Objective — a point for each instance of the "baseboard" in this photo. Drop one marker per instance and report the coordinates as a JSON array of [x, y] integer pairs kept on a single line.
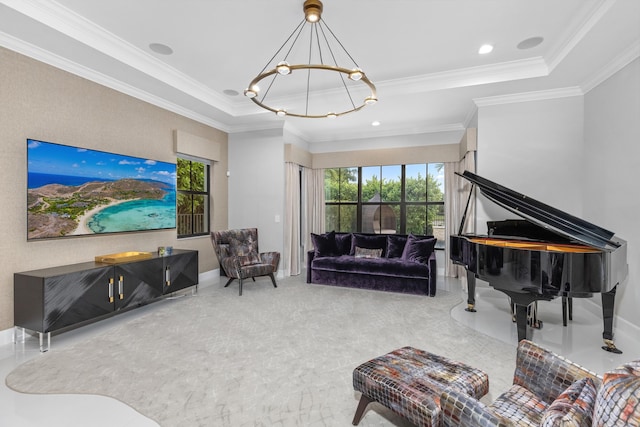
[[6, 336]]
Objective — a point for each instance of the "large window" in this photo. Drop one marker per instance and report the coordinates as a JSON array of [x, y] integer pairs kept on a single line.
[[193, 198], [386, 199]]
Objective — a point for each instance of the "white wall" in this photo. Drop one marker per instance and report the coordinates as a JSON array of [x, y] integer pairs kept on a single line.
[[256, 186], [611, 153], [574, 154]]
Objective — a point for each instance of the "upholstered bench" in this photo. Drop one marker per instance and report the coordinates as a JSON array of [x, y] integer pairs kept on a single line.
[[409, 382]]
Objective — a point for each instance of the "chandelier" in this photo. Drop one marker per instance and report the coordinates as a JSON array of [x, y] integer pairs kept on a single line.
[[326, 89]]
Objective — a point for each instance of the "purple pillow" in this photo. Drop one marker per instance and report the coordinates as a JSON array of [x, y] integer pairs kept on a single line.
[[378, 241], [418, 250], [343, 243], [324, 244], [395, 246]]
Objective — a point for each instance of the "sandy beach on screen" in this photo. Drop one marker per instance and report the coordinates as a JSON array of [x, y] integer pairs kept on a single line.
[[84, 219]]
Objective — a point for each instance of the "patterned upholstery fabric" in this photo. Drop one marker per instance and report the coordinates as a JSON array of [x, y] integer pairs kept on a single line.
[[540, 378], [574, 406], [409, 382], [239, 257], [618, 400]]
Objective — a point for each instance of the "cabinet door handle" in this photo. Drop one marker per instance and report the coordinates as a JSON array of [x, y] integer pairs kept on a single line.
[[111, 289], [120, 287], [167, 276]]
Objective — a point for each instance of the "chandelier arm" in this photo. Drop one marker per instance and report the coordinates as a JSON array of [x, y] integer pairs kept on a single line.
[[341, 45], [301, 24], [335, 62], [301, 27]]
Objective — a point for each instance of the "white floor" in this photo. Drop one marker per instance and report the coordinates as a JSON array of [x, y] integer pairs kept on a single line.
[[580, 342]]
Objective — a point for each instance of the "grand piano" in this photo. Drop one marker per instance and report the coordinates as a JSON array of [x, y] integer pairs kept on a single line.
[[546, 253]]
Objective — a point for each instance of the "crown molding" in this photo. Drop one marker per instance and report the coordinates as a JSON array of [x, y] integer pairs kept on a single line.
[[77, 27], [617, 64], [64, 64], [383, 133], [540, 95], [571, 40]]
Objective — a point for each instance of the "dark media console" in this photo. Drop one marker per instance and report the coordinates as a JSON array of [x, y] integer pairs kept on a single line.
[[51, 299]]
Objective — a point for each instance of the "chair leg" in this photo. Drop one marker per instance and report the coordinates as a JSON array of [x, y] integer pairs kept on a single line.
[[273, 280], [229, 282], [240, 280], [364, 402]]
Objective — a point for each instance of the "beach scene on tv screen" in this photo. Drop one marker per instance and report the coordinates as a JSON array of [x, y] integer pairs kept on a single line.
[[73, 191]]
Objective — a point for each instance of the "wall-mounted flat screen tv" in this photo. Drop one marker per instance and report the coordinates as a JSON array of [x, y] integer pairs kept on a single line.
[[73, 191]]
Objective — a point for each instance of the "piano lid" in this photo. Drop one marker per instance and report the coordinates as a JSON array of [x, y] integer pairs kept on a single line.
[[543, 215]]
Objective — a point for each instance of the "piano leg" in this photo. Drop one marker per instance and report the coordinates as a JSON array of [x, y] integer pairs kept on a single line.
[[608, 300], [521, 321], [471, 292]]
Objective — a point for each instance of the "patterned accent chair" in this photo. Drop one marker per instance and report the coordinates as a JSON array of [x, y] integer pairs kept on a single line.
[[239, 257], [548, 390]]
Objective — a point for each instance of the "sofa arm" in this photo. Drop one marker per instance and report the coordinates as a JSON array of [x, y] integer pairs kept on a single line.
[[545, 373], [462, 410], [231, 266], [272, 258], [310, 255], [433, 274]]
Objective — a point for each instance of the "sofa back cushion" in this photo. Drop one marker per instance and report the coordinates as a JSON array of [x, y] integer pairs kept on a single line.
[[418, 249], [378, 241], [343, 243], [324, 244], [395, 245]]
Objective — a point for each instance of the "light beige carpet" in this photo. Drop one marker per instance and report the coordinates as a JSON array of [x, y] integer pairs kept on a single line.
[[273, 357]]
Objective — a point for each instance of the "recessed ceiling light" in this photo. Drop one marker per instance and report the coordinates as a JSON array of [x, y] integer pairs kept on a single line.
[[529, 43], [160, 48], [231, 92], [485, 48], [375, 123]]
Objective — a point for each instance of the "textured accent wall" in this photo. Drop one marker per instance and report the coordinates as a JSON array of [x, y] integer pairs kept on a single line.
[[42, 102]]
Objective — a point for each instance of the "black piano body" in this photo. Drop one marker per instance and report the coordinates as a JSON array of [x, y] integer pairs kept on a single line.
[[546, 254]]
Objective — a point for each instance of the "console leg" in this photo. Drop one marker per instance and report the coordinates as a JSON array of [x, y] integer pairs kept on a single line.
[[41, 337], [608, 300], [471, 292]]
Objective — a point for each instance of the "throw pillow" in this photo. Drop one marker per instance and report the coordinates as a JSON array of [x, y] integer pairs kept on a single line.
[[395, 246], [573, 407], [378, 241], [418, 250], [367, 253], [324, 244], [618, 399], [343, 243], [245, 251]]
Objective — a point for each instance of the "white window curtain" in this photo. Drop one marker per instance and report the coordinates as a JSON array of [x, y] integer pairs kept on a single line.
[[291, 256], [457, 192], [313, 205]]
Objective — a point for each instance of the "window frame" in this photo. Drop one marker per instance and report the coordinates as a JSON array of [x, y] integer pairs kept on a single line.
[[206, 195]]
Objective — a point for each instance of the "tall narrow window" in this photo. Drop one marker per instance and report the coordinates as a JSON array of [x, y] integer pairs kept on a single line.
[[193, 198]]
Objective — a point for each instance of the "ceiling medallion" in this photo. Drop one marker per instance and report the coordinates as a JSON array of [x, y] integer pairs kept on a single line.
[[326, 90]]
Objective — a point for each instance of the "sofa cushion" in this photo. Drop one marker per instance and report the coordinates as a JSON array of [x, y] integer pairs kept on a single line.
[[618, 399], [520, 404], [392, 267], [324, 244], [418, 249], [369, 242], [368, 253], [395, 246], [573, 407], [343, 243]]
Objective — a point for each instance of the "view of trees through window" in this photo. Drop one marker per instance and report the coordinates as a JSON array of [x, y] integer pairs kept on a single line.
[[386, 199], [193, 198]]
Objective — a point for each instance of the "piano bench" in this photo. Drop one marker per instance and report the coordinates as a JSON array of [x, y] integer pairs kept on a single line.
[[409, 382]]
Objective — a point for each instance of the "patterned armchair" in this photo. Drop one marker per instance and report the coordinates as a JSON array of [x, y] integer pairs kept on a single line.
[[239, 257], [548, 390]]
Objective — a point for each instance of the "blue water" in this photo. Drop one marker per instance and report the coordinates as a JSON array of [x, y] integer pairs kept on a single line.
[[36, 180], [136, 215]]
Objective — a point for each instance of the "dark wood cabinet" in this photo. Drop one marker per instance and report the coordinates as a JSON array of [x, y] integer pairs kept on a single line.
[[54, 298]]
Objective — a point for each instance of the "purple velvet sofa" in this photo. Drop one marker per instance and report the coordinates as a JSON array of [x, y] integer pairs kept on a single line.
[[384, 262]]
